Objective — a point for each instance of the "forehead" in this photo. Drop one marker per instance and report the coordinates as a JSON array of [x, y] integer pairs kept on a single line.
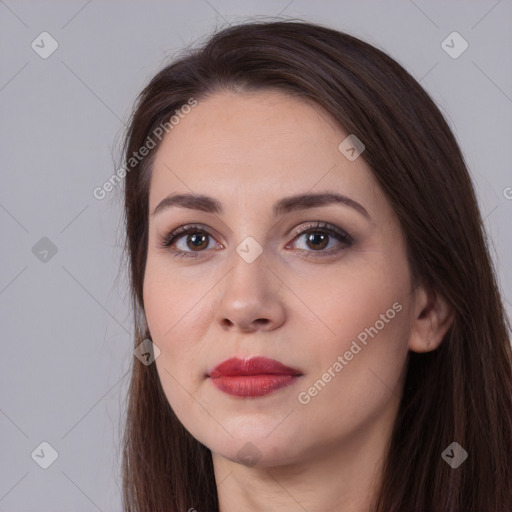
[[253, 145]]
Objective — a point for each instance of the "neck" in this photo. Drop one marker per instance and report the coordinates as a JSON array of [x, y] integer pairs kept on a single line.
[[341, 478]]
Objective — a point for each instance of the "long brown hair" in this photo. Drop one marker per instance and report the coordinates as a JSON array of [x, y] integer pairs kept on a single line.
[[460, 392]]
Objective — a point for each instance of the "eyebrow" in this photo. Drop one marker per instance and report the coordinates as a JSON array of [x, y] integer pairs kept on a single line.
[[285, 205]]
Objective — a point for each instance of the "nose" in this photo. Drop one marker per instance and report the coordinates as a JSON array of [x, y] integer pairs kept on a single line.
[[251, 297]]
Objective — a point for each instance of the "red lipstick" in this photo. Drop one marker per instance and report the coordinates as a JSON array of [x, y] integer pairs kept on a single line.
[[252, 377]]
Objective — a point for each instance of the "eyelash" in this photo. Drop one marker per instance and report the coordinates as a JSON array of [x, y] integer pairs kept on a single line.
[[346, 240]]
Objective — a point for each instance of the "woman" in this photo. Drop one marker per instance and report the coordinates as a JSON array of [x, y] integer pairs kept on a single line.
[[310, 276]]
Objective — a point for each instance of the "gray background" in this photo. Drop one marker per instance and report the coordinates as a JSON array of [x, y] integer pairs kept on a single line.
[[65, 321]]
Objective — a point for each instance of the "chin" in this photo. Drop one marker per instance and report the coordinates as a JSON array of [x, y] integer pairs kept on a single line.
[[253, 451]]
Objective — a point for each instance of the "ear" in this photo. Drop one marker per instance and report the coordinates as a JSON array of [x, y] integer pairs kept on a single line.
[[433, 316]]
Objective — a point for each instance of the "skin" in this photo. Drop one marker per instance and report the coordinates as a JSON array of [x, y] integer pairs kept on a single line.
[[248, 150]]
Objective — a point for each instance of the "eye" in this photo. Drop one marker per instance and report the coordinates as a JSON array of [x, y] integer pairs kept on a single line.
[[194, 238], [319, 235], [190, 240]]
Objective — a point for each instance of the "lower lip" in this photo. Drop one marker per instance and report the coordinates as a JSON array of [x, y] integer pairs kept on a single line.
[[252, 385]]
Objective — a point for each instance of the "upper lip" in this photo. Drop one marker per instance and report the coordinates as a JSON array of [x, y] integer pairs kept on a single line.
[[251, 366]]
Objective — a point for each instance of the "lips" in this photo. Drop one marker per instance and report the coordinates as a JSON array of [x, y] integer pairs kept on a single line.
[[252, 377], [235, 367]]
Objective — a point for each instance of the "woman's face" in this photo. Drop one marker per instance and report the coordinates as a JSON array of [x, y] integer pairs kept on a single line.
[[333, 302]]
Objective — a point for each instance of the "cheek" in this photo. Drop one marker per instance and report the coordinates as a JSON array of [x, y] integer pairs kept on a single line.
[[357, 295], [174, 302], [366, 310], [175, 318], [354, 309]]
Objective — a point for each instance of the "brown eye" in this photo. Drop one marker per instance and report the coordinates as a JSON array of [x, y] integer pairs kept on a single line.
[[197, 242], [323, 239], [317, 240], [187, 240]]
